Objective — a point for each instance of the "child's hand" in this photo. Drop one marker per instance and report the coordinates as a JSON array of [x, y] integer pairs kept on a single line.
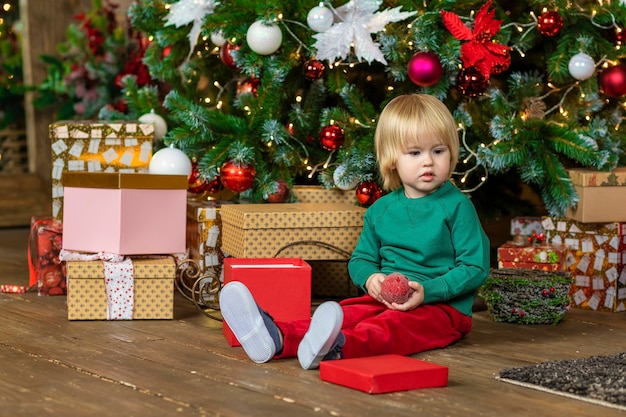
[[415, 300], [373, 285]]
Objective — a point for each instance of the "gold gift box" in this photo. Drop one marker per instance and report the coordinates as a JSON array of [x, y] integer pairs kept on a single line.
[[204, 235], [596, 261], [601, 195], [319, 194], [153, 289], [88, 146], [300, 230]]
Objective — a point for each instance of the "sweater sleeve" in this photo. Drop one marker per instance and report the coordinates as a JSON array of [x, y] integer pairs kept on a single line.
[[471, 249], [365, 259]]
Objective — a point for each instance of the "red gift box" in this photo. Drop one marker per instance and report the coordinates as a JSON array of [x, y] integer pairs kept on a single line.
[[46, 271], [544, 254], [385, 373], [280, 286], [532, 265]]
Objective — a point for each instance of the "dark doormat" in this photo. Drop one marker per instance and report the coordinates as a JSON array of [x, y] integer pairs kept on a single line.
[[597, 379]]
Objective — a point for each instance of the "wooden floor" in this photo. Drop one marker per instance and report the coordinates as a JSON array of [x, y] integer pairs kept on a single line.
[[51, 366]]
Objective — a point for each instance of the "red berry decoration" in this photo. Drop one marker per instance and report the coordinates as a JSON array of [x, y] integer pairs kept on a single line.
[[612, 81], [424, 69], [237, 177], [226, 55], [471, 82], [332, 137], [282, 193], [395, 288], [550, 23], [367, 192], [248, 86], [313, 69]]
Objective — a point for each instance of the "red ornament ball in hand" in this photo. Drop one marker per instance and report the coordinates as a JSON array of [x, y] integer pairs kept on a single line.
[[424, 69], [237, 177], [612, 81], [226, 55], [331, 137], [395, 288], [471, 82], [550, 23], [282, 193], [367, 192], [313, 69]]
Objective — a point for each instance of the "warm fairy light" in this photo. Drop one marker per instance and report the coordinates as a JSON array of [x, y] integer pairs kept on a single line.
[[207, 100], [390, 88], [298, 98], [6, 7], [219, 104]]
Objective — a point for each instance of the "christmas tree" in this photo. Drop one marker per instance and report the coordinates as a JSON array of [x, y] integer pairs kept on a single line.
[[265, 95], [11, 80]]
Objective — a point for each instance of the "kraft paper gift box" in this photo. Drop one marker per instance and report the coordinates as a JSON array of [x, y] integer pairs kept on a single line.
[[383, 374], [124, 213], [300, 230], [280, 286], [538, 257], [88, 146], [320, 194], [601, 195], [46, 271], [153, 295], [598, 256], [204, 235]]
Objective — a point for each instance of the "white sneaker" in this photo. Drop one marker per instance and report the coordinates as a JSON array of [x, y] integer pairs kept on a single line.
[[253, 327], [322, 336]]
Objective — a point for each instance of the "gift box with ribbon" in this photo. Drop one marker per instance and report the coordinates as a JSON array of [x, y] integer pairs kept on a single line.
[[114, 287]]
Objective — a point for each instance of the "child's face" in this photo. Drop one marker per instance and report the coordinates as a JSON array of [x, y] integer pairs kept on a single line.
[[423, 167]]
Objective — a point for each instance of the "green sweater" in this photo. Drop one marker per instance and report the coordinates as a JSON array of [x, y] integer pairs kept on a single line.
[[436, 240]]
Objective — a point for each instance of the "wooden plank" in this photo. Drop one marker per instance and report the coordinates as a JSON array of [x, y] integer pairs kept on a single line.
[[23, 196]]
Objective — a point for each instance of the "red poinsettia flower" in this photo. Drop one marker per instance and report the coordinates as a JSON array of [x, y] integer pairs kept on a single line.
[[481, 52]]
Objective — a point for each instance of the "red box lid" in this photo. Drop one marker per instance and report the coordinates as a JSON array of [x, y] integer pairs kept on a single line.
[[384, 373]]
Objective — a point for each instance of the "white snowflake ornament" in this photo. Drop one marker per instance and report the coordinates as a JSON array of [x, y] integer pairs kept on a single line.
[[188, 11], [356, 21]]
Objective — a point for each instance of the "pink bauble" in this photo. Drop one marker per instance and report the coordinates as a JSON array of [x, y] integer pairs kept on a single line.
[[612, 81], [424, 69]]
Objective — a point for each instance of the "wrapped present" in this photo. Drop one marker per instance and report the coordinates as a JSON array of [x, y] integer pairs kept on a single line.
[[302, 230], [331, 279], [385, 373], [320, 194], [46, 271], [95, 286], [525, 226], [601, 195], [598, 255], [87, 146], [527, 296], [280, 286], [539, 257], [124, 213]]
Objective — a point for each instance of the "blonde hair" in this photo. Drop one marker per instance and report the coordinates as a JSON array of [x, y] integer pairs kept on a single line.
[[408, 120]]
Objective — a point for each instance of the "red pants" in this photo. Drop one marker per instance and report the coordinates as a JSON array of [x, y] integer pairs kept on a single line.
[[372, 329]]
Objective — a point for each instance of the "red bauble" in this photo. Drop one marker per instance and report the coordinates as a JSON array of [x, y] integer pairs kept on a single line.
[[313, 69], [282, 193], [367, 192], [471, 82], [332, 137], [550, 23], [226, 55], [612, 81], [166, 51], [197, 184], [424, 69], [248, 86], [237, 177]]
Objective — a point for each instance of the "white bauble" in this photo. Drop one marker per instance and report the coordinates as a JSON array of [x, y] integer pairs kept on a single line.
[[159, 123], [343, 183], [264, 39], [218, 39], [320, 18], [170, 161], [581, 66]]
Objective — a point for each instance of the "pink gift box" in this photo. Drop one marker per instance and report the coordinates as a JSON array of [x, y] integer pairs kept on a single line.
[[124, 213], [280, 286]]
